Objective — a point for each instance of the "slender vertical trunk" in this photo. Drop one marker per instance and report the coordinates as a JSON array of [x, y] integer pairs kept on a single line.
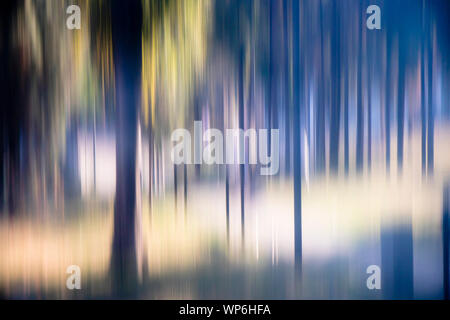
[[346, 133], [400, 104], [94, 149], [175, 186], [360, 108], [227, 202], [297, 138], [185, 187], [241, 126], [430, 136], [197, 117], [423, 114], [387, 113], [287, 96], [336, 100], [369, 48], [126, 30], [403, 240]]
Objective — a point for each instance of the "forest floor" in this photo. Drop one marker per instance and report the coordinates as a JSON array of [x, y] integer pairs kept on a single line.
[[186, 253]]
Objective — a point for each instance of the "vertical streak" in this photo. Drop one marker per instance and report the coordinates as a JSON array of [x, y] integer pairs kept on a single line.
[[297, 140]]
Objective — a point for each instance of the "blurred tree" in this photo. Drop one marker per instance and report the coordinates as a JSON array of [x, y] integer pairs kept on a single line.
[[359, 98], [297, 137], [430, 116], [127, 50], [336, 89], [423, 114]]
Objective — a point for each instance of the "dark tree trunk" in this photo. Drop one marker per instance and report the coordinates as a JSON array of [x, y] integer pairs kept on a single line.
[[430, 134], [185, 187], [336, 101], [72, 187], [297, 139], [175, 186], [287, 96], [346, 133], [360, 108], [387, 111], [126, 32], [227, 202], [241, 126], [423, 116], [400, 105], [197, 117], [13, 110], [369, 101]]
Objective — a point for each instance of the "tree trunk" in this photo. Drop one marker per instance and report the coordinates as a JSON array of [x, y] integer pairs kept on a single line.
[[387, 114], [241, 126], [430, 136], [369, 102], [297, 140], [287, 96], [185, 188], [346, 133], [126, 32], [423, 114], [175, 186], [400, 105], [360, 108], [336, 100]]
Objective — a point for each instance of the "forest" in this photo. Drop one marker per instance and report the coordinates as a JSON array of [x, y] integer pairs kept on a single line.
[[116, 158]]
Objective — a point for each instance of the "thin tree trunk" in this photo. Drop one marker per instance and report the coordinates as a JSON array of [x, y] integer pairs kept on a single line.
[[175, 186], [287, 87], [387, 115], [336, 100], [360, 108], [369, 64], [185, 187], [227, 202], [400, 105], [346, 133], [297, 140], [241, 126], [423, 114], [430, 136], [369, 106]]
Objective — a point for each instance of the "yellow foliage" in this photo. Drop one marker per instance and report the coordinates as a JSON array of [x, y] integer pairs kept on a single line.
[[173, 53]]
